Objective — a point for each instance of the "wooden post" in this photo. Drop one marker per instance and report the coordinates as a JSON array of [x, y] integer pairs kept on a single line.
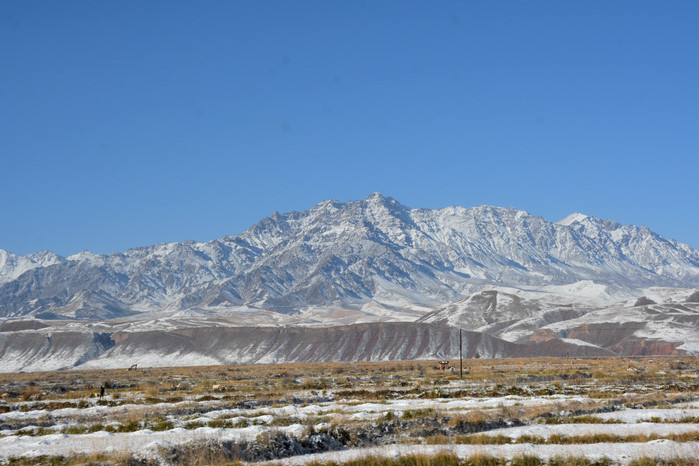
[[461, 358]]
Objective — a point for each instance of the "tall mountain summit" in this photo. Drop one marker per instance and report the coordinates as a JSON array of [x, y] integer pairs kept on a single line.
[[348, 255], [357, 281]]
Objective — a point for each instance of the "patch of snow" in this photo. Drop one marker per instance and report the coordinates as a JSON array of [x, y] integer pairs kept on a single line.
[[572, 218], [639, 415], [133, 442], [575, 341], [587, 289], [618, 453]]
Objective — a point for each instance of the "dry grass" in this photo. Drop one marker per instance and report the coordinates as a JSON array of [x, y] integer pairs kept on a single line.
[[482, 377], [162, 398]]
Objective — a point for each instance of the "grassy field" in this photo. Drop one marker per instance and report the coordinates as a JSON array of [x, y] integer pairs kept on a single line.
[[505, 411]]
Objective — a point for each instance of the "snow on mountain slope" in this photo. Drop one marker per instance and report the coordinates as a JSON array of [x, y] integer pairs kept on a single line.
[[572, 218], [79, 346], [658, 328], [355, 255], [620, 326], [510, 314], [12, 265], [43, 350]]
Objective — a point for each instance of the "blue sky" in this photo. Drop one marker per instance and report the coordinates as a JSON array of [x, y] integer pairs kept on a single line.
[[132, 123]]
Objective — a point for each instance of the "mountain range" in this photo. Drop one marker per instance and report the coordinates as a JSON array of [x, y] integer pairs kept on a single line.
[[498, 271]]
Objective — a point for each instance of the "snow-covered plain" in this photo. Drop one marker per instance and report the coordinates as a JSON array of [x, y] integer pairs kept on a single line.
[[570, 430], [337, 412], [146, 443], [641, 415], [618, 453]]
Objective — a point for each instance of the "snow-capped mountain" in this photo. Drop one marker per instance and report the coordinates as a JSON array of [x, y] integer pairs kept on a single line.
[[12, 265], [374, 252], [389, 281]]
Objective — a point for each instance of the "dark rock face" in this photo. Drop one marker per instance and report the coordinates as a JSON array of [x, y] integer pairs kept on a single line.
[[350, 343], [643, 301], [35, 345], [640, 347], [607, 334], [694, 297], [33, 351], [19, 325], [241, 345]]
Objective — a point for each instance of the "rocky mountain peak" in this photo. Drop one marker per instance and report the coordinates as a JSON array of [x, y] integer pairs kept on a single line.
[[350, 254]]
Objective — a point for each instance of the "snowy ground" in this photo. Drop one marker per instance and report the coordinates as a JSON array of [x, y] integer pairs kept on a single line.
[[570, 430], [394, 407], [146, 443], [640, 415], [620, 453]]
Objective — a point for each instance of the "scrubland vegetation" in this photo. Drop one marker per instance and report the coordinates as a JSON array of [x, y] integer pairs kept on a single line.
[[509, 411]]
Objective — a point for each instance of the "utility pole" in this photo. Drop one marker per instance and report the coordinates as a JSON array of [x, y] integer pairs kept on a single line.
[[461, 358]]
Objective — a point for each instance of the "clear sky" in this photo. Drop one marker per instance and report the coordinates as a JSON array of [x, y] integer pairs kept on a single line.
[[130, 123]]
